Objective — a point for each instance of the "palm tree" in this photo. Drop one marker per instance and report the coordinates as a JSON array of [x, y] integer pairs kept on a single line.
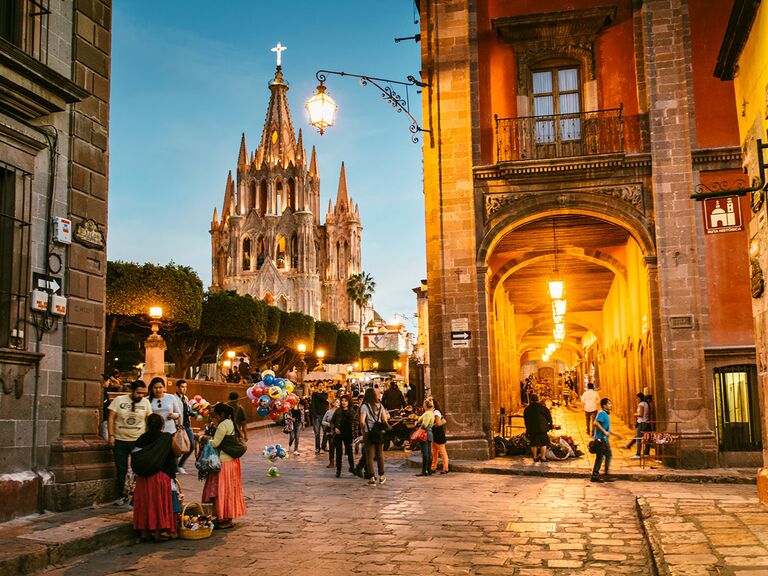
[[360, 289]]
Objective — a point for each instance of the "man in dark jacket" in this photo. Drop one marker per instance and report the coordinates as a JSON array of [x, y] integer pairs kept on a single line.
[[393, 398], [538, 422], [318, 406]]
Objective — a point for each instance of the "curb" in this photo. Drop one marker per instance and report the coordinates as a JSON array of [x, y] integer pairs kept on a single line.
[[699, 477], [644, 514], [42, 549]]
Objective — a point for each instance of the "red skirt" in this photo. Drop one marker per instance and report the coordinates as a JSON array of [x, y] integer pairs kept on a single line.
[[153, 503], [226, 490]]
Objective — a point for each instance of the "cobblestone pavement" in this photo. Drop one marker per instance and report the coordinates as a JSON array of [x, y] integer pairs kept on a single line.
[[309, 522]]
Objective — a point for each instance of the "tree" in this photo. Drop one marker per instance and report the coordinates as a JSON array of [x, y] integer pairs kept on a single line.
[[132, 288], [347, 347], [326, 334], [360, 289]]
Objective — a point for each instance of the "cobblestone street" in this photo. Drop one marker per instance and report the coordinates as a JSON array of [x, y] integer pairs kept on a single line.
[[309, 522]]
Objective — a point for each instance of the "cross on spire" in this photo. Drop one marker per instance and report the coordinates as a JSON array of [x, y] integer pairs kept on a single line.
[[279, 48]]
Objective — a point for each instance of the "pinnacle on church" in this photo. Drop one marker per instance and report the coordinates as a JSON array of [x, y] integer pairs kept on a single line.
[[342, 197], [242, 159], [301, 154], [229, 197], [313, 163]]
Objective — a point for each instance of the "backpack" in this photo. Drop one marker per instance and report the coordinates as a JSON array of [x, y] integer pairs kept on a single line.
[[378, 433], [288, 426]]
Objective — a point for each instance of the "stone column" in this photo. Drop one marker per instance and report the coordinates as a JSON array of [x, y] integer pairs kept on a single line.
[[667, 67], [456, 299]]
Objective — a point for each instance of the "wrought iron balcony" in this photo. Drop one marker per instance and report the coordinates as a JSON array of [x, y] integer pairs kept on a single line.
[[559, 135]]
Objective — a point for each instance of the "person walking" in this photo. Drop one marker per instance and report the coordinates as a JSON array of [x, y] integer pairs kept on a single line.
[[167, 406], [642, 419], [393, 399], [297, 415], [127, 420], [590, 400], [318, 406], [425, 422], [225, 488], [438, 440], [601, 433], [186, 422], [371, 414], [328, 432], [538, 423], [342, 433]]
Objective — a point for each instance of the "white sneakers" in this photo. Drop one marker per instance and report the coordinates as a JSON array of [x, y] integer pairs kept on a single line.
[[372, 481], [180, 471], [635, 457], [382, 479], [295, 452]]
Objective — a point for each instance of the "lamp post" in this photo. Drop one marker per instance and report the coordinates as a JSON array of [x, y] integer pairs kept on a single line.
[[320, 355], [154, 348], [322, 108], [375, 366], [302, 349]]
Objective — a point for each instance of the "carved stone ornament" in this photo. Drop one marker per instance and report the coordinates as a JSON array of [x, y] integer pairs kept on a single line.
[[632, 194], [14, 365], [89, 234], [756, 275]]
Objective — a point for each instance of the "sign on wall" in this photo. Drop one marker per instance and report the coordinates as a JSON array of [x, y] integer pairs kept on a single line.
[[722, 215]]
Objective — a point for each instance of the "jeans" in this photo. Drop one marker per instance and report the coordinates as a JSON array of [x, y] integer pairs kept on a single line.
[[331, 445], [370, 449], [340, 442], [122, 453], [317, 425], [590, 417], [603, 454], [640, 429], [426, 453], [191, 436], [293, 437]]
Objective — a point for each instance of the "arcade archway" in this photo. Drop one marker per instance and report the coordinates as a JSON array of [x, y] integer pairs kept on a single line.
[[607, 320]]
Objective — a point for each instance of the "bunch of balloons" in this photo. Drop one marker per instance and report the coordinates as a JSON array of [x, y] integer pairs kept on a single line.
[[274, 453], [199, 407], [272, 396], [273, 472]]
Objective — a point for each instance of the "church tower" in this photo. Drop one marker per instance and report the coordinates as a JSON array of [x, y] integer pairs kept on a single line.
[[268, 241]]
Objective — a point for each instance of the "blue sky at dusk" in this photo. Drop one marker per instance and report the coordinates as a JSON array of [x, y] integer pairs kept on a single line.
[[189, 77]]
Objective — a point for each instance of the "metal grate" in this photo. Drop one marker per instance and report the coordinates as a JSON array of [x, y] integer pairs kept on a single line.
[[559, 135], [25, 24], [15, 217]]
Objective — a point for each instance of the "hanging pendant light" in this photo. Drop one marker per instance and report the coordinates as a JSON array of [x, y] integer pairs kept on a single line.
[[556, 284]]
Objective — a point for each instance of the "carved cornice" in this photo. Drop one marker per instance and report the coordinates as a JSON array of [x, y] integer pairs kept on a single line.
[[561, 165], [554, 26], [726, 155], [630, 193], [739, 25]]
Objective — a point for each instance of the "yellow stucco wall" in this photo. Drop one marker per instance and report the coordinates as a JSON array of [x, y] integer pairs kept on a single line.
[[751, 81]]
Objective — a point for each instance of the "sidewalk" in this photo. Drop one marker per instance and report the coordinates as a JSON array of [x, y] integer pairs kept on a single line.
[[571, 422]]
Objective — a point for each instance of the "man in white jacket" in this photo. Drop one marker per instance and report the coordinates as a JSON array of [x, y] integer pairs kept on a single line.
[[590, 399]]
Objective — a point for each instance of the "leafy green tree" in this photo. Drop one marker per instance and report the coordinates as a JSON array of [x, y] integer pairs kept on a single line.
[[132, 288], [326, 335], [385, 358], [360, 289], [347, 347]]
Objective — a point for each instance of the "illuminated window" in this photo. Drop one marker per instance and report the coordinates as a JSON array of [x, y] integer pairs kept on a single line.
[[556, 93], [737, 408]]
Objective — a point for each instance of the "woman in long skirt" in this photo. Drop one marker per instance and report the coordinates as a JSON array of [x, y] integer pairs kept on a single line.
[[153, 515], [225, 488]]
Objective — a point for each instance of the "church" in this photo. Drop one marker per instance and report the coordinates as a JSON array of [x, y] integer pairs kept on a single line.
[[268, 240]]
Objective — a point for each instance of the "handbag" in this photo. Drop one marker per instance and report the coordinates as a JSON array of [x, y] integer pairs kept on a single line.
[[209, 461], [419, 435], [596, 446], [233, 446], [181, 440]]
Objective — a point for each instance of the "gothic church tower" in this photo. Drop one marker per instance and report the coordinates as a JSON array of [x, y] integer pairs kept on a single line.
[[268, 241]]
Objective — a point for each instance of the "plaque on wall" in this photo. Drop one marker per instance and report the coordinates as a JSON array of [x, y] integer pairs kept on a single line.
[[89, 234]]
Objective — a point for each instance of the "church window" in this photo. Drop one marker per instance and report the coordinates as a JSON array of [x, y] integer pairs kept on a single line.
[[251, 196], [556, 93], [294, 252], [282, 303], [279, 198], [280, 252], [263, 197], [292, 194], [261, 254], [246, 253]]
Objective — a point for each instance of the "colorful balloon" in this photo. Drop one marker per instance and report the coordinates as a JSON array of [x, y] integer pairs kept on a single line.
[[289, 387], [274, 392]]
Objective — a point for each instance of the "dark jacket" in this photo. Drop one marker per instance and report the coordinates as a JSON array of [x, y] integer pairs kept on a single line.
[[342, 420], [318, 404], [393, 398], [538, 419]]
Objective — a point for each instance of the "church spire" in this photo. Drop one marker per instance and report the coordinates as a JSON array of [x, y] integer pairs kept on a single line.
[[278, 139], [243, 157], [229, 198], [301, 153], [342, 196], [313, 163]]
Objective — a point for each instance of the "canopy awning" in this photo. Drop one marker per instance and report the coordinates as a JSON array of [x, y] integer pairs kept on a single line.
[[315, 376]]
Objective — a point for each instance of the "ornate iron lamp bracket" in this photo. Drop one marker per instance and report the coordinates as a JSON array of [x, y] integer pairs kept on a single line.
[[757, 190], [388, 94]]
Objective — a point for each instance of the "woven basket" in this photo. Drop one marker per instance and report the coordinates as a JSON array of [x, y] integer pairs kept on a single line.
[[200, 510]]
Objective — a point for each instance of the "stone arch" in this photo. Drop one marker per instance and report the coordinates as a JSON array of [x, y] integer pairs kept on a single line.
[[292, 194], [263, 196], [294, 251], [280, 254], [246, 252], [261, 251], [279, 197], [252, 196]]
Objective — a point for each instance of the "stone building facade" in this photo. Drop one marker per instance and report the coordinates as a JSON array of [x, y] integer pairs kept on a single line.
[[567, 139], [743, 59], [54, 127], [268, 241]]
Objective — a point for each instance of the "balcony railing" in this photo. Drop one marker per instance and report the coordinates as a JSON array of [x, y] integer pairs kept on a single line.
[[559, 135]]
